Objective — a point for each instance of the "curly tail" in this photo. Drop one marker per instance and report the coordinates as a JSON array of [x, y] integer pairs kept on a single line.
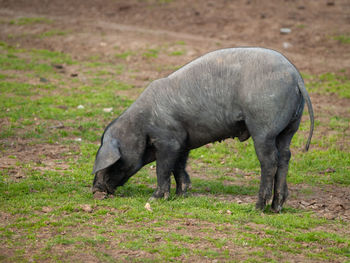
[[306, 97]]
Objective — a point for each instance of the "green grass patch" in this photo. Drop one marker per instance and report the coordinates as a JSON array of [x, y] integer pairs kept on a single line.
[[124, 55], [178, 53], [344, 39], [53, 32], [328, 83], [151, 53], [30, 21]]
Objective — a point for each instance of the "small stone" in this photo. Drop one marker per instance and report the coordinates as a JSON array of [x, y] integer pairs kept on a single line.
[[80, 107], [286, 45], [228, 212], [107, 109], [77, 139], [46, 209], [74, 75], [124, 7], [44, 80], [58, 66], [330, 216], [18, 175], [303, 203], [100, 195], [58, 126], [148, 207], [328, 170], [285, 30], [86, 208]]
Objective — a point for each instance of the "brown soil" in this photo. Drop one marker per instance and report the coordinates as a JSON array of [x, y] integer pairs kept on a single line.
[[209, 24]]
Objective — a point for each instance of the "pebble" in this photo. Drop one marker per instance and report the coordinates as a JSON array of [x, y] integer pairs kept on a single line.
[[286, 45], [80, 107], [47, 209], [148, 207], [285, 30], [86, 208], [100, 195], [107, 109]]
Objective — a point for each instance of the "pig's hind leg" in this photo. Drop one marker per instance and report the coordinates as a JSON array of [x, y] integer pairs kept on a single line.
[[280, 185], [266, 151], [183, 181]]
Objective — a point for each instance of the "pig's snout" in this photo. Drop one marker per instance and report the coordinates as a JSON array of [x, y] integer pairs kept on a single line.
[[100, 184]]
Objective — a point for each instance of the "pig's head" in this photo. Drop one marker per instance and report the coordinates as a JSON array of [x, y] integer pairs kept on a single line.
[[107, 177], [116, 161]]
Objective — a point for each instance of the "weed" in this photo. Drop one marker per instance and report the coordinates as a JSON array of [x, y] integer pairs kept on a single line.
[[344, 39], [30, 20], [151, 53], [53, 32], [124, 55], [182, 43], [329, 83], [177, 53]]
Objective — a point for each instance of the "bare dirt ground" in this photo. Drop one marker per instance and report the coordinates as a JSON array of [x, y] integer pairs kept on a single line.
[[102, 27]]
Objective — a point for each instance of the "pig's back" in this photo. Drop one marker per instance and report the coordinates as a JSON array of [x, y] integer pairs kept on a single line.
[[208, 97]]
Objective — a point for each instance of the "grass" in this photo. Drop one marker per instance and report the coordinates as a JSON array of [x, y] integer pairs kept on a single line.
[[53, 32], [344, 39], [42, 212], [151, 53], [329, 83], [30, 21], [177, 53], [124, 55]]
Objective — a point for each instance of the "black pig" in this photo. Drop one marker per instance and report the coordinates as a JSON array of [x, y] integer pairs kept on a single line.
[[228, 93]]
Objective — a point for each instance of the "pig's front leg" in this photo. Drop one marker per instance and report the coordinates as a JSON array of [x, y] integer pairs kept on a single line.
[[167, 153], [183, 181], [165, 164]]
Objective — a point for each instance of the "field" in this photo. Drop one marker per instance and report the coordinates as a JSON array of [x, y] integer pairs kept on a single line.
[[68, 68]]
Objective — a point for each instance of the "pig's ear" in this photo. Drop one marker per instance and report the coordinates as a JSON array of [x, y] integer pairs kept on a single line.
[[107, 155]]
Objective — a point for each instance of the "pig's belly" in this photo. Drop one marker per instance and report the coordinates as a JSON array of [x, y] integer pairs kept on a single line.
[[198, 136]]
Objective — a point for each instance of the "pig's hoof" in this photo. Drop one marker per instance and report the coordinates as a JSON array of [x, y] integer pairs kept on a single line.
[[277, 203], [260, 205], [181, 194], [276, 207], [100, 195], [277, 210], [151, 199], [182, 191], [158, 194], [166, 196]]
